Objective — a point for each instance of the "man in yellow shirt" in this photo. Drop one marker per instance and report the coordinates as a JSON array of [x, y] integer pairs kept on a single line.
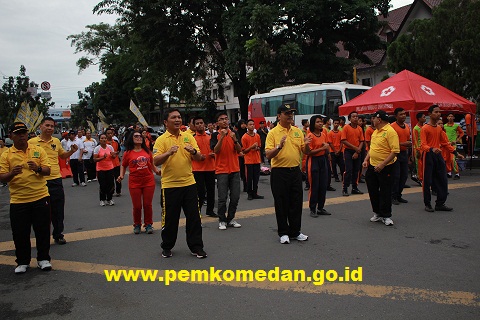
[[284, 146], [384, 148], [54, 149], [24, 166], [3, 148], [174, 151]]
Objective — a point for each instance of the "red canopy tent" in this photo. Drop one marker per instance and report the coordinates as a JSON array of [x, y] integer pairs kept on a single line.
[[409, 91]]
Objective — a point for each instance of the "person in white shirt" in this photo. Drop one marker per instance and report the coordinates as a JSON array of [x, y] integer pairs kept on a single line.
[[81, 135], [87, 156], [76, 161]]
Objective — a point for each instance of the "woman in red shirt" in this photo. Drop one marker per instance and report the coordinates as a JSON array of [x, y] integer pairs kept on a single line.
[[317, 166], [141, 183], [103, 156]]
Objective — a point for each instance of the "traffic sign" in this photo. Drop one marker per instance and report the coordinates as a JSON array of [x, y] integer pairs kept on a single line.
[[45, 85]]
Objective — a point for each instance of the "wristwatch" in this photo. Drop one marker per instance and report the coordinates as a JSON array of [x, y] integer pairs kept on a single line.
[[278, 147], [39, 169]]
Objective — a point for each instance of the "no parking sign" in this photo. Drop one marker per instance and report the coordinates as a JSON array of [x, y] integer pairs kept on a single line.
[[45, 86]]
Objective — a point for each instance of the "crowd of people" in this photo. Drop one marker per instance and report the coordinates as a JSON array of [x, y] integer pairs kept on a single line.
[[193, 160]]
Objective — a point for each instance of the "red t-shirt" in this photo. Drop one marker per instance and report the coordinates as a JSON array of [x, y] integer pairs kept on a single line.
[[140, 165], [335, 138], [253, 156], [226, 161], [368, 136]]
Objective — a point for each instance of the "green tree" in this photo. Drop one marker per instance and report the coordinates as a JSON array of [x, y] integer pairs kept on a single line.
[[282, 41], [443, 48], [17, 90]]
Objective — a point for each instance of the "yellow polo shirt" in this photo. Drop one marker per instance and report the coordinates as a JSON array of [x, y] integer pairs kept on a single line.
[[28, 186], [384, 141], [289, 155], [177, 170], [53, 148]]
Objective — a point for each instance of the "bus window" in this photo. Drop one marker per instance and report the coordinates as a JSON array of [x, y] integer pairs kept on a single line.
[[306, 103], [320, 102], [289, 98], [353, 93], [334, 100], [273, 103]]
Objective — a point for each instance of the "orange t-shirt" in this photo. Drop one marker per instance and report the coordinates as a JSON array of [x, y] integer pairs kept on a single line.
[[116, 147], [226, 161], [203, 141], [352, 135], [403, 134], [434, 137], [468, 121], [317, 142], [253, 156], [335, 138], [107, 163], [368, 136]]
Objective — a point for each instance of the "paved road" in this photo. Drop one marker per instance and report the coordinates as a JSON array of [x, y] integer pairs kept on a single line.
[[425, 266]]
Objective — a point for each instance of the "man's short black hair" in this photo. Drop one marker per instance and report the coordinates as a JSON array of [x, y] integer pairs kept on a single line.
[[197, 118], [167, 112], [433, 106], [350, 115], [304, 121], [398, 110], [47, 119], [419, 115], [219, 114]]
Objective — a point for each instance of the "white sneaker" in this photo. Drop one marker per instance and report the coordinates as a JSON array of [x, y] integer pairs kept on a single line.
[[376, 218], [222, 225], [83, 184], [94, 179], [74, 184], [21, 268], [388, 221], [284, 239], [234, 224], [44, 265], [301, 237], [102, 203], [88, 181], [111, 203]]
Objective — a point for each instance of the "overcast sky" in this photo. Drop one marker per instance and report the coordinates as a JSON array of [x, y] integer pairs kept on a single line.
[[33, 33]]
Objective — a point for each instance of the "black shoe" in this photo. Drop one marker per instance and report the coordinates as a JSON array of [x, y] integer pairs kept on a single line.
[[323, 212], [337, 180], [401, 200], [356, 191], [256, 196], [406, 186], [330, 188], [313, 214], [415, 178], [60, 241], [395, 201], [429, 208], [212, 214], [345, 193], [166, 253], [361, 181], [457, 176], [449, 175], [200, 254], [442, 208], [250, 197]]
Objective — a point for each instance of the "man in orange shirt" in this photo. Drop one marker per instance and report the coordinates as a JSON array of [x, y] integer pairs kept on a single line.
[[435, 171], [204, 170], [336, 149], [352, 139], [251, 148], [400, 167], [226, 146]]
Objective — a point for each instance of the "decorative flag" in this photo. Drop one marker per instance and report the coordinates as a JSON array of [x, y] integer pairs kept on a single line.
[[37, 123], [22, 114], [92, 127], [103, 119], [137, 113], [33, 118]]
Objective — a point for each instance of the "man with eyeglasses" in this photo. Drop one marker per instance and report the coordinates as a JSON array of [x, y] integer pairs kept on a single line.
[[284, 146], [226, 147]]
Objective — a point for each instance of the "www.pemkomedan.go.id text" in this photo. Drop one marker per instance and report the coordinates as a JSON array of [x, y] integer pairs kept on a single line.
[[317, 277]]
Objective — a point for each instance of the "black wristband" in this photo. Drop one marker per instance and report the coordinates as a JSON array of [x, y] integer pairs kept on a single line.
[[39, 169], [194, 152]]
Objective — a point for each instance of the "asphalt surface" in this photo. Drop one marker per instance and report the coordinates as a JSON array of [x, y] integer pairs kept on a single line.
[[425, 266]]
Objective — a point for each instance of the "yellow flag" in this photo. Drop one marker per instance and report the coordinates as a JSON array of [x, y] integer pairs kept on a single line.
[[22, 114], [37, 123], [33, 118], [92, 127], [137, 113], [103, 119]]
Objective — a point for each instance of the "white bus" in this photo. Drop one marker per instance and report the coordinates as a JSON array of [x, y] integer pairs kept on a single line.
[[309, 99]]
